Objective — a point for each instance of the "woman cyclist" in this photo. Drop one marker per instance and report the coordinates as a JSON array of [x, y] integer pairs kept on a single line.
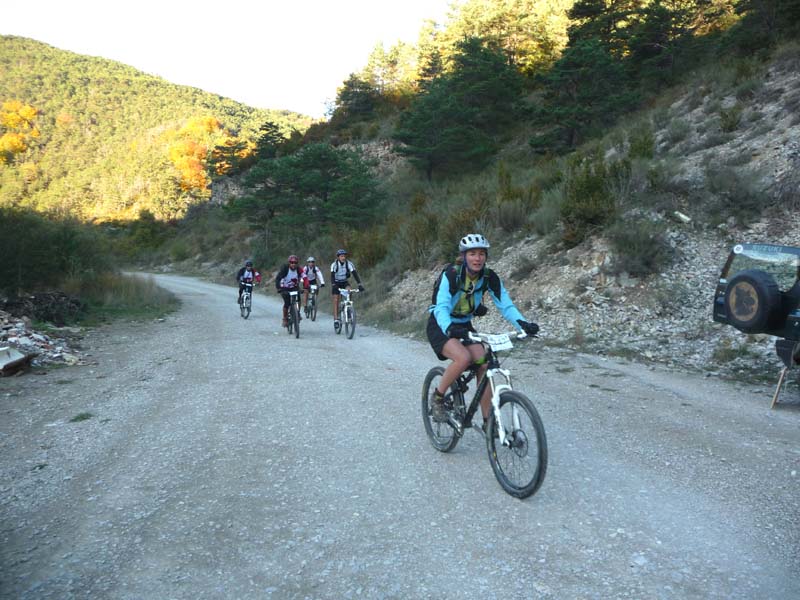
[[457, 297]]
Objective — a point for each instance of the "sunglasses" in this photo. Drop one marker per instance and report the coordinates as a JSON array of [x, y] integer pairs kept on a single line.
[[292, 262]]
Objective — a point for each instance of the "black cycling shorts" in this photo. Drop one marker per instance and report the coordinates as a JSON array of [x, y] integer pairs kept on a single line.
[[287, 299], [338, 285], [438, 338]]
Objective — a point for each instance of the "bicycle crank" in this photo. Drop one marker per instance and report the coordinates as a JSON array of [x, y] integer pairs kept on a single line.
[[455, 423]]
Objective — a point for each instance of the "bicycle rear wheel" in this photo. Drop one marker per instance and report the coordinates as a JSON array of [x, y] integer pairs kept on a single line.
[[442, 435], [350, 321], [521, 463], [295, 319]]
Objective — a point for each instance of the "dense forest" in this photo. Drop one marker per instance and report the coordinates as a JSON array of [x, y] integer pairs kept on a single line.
[[98, 140], [496, 111]]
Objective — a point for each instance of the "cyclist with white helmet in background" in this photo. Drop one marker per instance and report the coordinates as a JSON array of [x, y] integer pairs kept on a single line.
[[311, 274], [457, 297], [341, 269]]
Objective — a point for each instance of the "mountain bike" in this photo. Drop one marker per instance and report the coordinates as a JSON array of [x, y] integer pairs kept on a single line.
[[347, 313], [311, 308], [293, 316], [517, 445], [246, 300]]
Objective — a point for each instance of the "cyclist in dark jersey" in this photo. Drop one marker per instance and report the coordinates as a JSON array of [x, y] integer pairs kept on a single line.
[[288, 279]]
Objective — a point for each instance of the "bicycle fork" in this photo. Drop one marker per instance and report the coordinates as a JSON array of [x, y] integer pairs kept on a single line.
[[497, 389]]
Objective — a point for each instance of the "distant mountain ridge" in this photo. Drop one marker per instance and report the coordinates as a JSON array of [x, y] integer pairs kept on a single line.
[[108, 141]]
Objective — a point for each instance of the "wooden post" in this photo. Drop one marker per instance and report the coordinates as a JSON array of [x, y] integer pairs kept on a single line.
[[778, 389]]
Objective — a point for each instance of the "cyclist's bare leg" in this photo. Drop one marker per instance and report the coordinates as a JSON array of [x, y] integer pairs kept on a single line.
[[461, 358], [305, 297], [335, 306]]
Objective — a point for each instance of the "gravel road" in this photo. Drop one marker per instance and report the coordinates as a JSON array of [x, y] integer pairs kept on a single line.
[[220, 458]]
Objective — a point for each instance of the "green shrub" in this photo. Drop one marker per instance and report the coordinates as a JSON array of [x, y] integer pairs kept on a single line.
[[640, 247], [588, 202], [418, 240], [547, 218], [736, 192], [510, 215], [461, 219], [678, 130], [714, 139], [748, 89], [642, 142], [730, 118], [179, 250], [29, 243]]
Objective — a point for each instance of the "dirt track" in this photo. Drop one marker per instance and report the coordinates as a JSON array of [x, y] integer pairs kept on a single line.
[[223, 459]]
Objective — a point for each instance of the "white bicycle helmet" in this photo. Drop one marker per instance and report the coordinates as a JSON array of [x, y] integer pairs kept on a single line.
[[471, 241], [310, 259]]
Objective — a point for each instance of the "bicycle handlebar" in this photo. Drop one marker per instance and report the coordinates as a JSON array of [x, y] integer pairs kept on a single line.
[[484, 337]]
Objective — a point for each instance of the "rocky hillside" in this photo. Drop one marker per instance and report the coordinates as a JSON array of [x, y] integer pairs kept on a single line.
[[666, 318]]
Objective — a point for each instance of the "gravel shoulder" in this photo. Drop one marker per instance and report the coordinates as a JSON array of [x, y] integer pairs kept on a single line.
[[223, 458]]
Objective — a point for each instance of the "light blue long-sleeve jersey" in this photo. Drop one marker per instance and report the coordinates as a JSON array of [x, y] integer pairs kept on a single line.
[[445, 301]]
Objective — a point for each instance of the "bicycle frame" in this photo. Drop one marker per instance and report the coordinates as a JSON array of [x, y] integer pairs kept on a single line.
[[493, 370], [345, 300], [294, 298]]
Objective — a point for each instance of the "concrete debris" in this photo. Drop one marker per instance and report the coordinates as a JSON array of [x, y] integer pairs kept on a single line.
[[23, 346]]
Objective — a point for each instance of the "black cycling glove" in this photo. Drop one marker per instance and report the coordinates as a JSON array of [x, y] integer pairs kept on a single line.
[[458, 331], [529, 328], [360, 288]]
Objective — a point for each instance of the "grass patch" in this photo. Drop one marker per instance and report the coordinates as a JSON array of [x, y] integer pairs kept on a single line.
[[84, 416], [113, 296], [726, 353]]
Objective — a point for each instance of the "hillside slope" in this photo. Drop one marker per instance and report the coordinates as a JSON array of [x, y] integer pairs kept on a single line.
[[665, 318], [107, 140]]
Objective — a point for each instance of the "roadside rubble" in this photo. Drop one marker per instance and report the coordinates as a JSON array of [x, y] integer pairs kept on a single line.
[[38, 349]]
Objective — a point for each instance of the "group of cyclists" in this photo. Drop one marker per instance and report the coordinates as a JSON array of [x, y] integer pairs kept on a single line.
[[292, 277], [457, 298]]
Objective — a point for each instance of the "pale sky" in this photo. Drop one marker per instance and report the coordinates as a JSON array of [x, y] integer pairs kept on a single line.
[[289, 54]]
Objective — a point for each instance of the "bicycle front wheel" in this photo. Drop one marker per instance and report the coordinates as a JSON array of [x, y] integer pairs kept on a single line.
[[350, 321], [242, 309], [521, 462], [313, 307], [442, 435], [295, 310], [247, 304]]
